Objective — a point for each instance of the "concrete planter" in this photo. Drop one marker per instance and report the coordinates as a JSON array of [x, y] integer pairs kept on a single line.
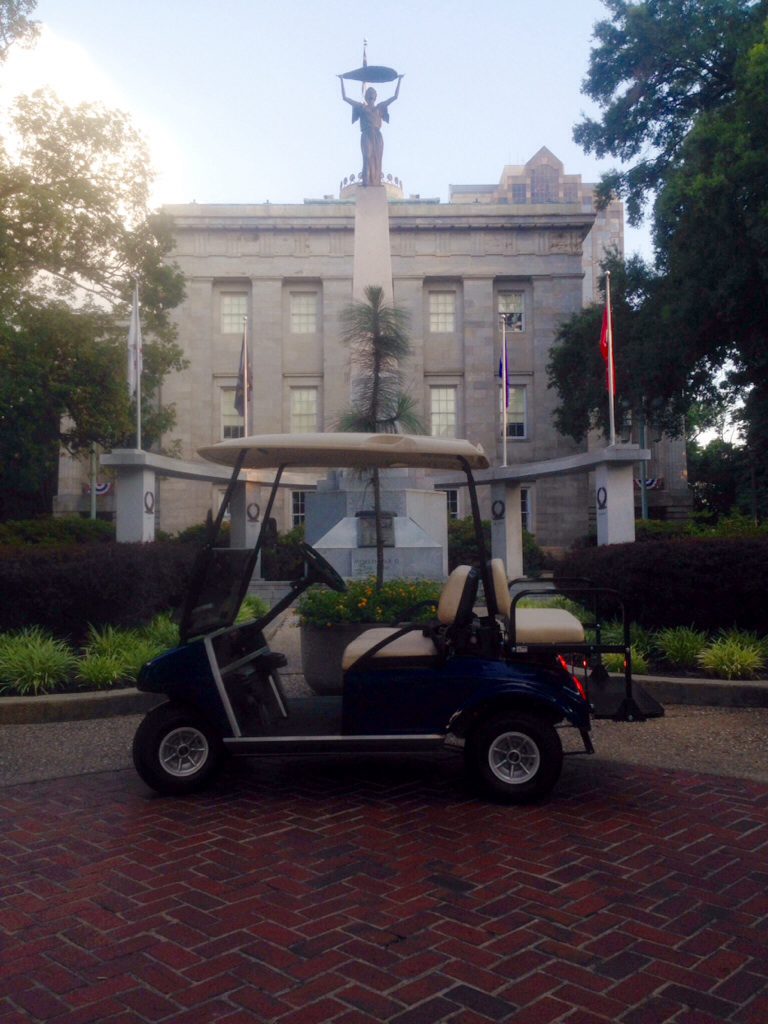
[[322, 648]]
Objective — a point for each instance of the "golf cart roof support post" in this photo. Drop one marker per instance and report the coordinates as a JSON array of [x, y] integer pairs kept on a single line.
[[227, 496], [267, 514], [485, 568]]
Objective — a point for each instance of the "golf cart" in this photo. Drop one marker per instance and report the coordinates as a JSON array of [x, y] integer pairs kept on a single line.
[[494, 682]]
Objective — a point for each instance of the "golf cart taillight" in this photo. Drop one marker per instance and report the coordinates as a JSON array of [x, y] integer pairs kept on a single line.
[[576, 682]]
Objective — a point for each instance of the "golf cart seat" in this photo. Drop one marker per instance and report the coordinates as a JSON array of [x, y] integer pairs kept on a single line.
[[454, 609], [533, 625]]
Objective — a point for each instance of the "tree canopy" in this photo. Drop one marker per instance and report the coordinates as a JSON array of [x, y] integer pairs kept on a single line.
[[75, 232], [682, 87], [655, 67]]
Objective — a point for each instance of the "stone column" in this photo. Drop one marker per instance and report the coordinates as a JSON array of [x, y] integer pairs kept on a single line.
[[136, 493], [245, 511], [507, 527], [615, 501]]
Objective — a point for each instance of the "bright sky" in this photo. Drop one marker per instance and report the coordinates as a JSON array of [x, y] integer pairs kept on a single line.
[[240, 102]]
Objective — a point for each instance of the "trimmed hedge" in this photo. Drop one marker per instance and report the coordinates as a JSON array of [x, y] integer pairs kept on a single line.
[[47, 530], [66, 589], [709, 583]]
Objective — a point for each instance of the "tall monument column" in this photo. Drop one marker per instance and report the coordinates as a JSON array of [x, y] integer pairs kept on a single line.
[[372, 263]]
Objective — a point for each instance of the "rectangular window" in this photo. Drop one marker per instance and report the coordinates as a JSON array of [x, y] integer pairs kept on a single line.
[[525, 509], [232, 424], [442, 312], [298, 509], [512, 305], [516, 412], [234, 306], [452, 503], [519, 194], [303, 312], [442, 411], [303, 406]]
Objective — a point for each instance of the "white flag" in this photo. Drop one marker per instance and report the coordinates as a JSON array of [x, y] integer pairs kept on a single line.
[[134, 347]]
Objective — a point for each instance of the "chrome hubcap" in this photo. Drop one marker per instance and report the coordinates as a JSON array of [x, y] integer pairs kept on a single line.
[[513, 757], [183, 751]]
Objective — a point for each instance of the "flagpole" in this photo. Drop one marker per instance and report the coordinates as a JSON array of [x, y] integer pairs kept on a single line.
[[138, 375], [246, 377], [611, 382], [504, 388]]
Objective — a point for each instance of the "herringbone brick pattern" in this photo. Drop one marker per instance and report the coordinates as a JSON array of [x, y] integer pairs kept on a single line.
[[355, 891]]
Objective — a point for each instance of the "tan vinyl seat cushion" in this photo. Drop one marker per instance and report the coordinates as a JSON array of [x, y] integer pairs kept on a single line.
[[410, 645], [535, 625], [547, 626]]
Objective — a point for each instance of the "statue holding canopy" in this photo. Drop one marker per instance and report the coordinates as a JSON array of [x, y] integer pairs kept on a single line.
[[371, 115]]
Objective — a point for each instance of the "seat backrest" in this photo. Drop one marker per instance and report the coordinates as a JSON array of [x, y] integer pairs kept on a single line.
[[501, 587], [457, 599]]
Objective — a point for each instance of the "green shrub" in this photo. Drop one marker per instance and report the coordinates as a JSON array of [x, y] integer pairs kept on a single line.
[[162, 631], [708, 583], [733, 655], [98, 671], [252, 608], [32, 662], [47, 530], [123, 651], [462, 547], [281, 556], [680, 646], [320, 606], [63, 589], [640, 665]]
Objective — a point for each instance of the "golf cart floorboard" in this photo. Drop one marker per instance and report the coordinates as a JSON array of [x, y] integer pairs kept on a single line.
[[307, 716]]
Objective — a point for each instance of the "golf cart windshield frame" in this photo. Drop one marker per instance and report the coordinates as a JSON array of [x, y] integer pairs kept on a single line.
[[221, 576]]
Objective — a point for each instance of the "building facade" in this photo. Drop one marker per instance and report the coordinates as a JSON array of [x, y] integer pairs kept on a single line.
[[528, 247]]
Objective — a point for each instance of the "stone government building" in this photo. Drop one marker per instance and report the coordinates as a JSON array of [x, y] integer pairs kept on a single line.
[[529, 245]]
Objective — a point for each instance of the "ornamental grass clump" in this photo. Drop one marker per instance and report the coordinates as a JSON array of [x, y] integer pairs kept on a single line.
[[113, 655], [33, 662], [680, 646], [361, 602], [735, 654]]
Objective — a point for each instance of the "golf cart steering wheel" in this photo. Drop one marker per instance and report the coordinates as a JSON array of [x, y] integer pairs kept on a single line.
[[322, 569]]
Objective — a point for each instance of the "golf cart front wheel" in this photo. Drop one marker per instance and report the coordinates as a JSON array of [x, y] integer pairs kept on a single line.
[[517, 757], [175, 752]]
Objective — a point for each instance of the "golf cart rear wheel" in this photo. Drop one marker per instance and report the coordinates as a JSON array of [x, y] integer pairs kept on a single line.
[[517, 757], [175, 752]]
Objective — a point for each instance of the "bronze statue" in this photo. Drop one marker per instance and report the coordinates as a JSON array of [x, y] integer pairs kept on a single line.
[[370, 114]]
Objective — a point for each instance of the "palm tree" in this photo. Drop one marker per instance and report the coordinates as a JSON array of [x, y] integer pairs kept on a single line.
[[378, 339]]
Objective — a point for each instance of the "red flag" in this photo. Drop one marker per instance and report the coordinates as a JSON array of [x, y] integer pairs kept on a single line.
[[610, 371]]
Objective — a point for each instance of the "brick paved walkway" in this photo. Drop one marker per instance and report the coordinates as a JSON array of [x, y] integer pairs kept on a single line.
[[309, 891]]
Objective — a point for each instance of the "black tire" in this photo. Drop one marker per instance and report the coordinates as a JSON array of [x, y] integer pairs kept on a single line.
[[515, 756], [175, 751]]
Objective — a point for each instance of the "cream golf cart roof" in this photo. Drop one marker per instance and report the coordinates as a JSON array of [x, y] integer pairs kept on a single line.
[[348, 450]]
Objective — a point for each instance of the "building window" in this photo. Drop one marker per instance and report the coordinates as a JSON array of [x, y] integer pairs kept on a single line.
[[452, 503], [512, 305], [442, 411], [526, 515], [232, 424], [303, 406], [519, 194], [545, 184], [234, 306], [516, 412], [303, 312], [298, 508], [442, 312]]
